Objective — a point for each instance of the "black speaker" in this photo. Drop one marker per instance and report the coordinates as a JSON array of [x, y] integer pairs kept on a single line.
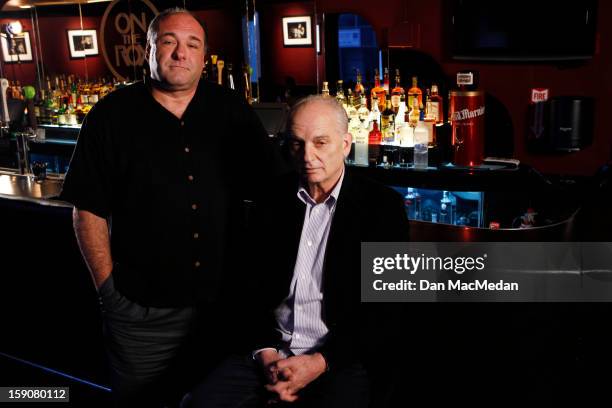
[[561, 124], [571, 122]]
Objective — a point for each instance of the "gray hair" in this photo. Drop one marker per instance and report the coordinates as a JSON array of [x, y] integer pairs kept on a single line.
[[153, 29], [329, 102]]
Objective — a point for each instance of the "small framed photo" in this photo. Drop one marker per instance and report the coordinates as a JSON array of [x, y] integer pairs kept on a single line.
[[16, 48], [297, 31], [82, 43]]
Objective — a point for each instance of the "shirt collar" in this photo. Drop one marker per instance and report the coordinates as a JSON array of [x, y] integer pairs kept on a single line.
[[331, 200]]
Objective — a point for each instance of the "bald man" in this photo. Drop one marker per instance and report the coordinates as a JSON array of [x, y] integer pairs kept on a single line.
[[315, 342]]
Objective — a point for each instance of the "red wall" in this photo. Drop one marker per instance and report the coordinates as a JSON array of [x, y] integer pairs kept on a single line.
[[277, 62], [225, 34], [56, 55]]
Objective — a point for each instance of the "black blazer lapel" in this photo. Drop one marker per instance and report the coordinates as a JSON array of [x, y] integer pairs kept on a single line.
[[340, 259]]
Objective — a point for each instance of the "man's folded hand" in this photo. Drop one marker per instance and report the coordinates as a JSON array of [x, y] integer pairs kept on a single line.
[[295, 373]]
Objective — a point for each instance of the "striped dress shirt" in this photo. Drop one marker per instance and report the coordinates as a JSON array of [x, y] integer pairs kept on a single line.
[[299, 316]]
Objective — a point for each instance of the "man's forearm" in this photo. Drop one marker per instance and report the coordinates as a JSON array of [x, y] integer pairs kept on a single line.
[[93, 239]]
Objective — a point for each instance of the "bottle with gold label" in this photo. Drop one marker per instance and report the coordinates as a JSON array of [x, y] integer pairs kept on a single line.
[[434, 109], [359, 90], [415, 92], [415, 113], [364, 113], [378, 92], [397, 92], [351, 112]]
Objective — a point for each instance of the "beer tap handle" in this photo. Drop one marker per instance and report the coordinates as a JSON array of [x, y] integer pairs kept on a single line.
[[4, 84], [220, 65]]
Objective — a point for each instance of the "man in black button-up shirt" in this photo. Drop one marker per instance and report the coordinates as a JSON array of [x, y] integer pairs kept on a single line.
[[158, 180]]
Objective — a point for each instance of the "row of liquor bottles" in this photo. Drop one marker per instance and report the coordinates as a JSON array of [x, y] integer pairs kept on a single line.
[[433, 104], [445, 207], [412, 118], [65, 100], [397, 117]]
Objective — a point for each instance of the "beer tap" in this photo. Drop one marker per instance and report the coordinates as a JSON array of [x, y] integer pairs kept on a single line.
[[4, 119]]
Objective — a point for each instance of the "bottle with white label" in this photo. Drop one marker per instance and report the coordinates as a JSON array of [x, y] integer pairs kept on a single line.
[[364, 113], [435, 107], [361, 146]]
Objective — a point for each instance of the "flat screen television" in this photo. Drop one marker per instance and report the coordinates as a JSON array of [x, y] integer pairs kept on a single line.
[[522, 30]]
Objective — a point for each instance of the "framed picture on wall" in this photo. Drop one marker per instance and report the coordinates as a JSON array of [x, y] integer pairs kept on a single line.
[[16, 48], [297, 31], [82, 43]]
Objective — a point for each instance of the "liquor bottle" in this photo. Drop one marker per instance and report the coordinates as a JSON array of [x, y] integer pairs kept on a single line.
[[352, 114], [73, 91], [17, 91], [62, 120], [429, 120], [428, 126], [359, 89], [446, 209], [71, 117], [361, 146], [377, 92], [51, 111], [354, 121], [375, 113], [325, 89], [415, 113], [374, 140], [435, 106], [386, 81], [349, 100], [415, 93], [388, 123], [340, 93], [397, 93], [39, 108], [421, 141], [354, 126], [403, 131], [364, 113], [409, 203], [400, 114]]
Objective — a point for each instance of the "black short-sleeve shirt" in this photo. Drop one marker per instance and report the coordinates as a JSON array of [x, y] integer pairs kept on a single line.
[[172, 189]]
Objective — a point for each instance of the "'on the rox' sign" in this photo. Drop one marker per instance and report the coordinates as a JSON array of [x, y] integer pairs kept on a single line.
[[124, 36]]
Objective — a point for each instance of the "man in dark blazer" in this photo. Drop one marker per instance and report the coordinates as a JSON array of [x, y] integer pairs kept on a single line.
[[314, 343]]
